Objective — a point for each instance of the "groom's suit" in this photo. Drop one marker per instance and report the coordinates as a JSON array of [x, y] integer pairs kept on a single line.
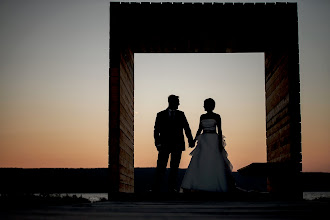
[[169, 139]]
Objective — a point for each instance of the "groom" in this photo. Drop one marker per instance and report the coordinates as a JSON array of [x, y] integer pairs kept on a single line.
[[169, 139]]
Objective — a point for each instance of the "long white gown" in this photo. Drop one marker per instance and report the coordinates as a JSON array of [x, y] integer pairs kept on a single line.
[[209, 166]]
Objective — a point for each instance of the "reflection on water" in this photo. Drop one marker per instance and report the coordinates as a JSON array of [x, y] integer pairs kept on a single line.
[[95, 197], [315, 195]]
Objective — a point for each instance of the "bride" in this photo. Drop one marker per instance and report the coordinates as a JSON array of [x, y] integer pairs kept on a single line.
[[209, 168]]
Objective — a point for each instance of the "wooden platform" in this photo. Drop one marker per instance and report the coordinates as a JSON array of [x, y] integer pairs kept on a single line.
[[173, 209]]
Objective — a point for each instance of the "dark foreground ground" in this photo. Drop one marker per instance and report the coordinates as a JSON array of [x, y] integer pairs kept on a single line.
[[65, 180], [177, 206]]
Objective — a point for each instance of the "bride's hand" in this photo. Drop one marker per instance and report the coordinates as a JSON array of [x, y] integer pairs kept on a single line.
[[192, 144]]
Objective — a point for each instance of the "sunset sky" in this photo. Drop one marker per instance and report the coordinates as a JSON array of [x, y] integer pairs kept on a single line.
[[54, 88], [234, 81]]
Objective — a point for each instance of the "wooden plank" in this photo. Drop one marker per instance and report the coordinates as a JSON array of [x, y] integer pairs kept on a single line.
[[125, 159], [125, 147], [126, 93], [127, 73], [127, 111], [278, 117], [128, 81], [279, 137], [128, 138], [126, 116], [128, 68], [127, 131], [276, 127], [278, 140], [127, 171], [281, 154], [126, 125], [280, 106], [126, 121], [272, 62], [280, 73], [126, 98], [126, 143], [126, 180], [126, 90], [281, 91], [127, 58], [127, 108], [125, 156], [129, 141], [278, 143]]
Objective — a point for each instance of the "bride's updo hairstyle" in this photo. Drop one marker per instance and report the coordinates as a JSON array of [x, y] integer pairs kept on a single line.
[[209, 104]]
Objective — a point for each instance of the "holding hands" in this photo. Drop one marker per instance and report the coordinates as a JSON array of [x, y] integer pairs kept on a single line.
[[192, 143]]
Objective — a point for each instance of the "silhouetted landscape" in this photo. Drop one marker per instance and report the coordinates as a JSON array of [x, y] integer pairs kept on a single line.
[[65, 180]]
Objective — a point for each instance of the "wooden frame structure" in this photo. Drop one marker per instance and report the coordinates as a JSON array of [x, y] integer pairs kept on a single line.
[[271, 28]]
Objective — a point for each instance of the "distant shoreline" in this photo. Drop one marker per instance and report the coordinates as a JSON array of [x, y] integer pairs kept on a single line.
[[95, 180]]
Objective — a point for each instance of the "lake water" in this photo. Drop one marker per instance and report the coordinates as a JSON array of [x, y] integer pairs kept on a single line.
[[315, 195], [94, 197]]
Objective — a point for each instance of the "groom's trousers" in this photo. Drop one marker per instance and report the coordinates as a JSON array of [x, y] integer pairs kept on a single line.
[[163, 156]]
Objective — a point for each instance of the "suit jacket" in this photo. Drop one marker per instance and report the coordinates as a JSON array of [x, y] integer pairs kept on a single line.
[[168, 131]]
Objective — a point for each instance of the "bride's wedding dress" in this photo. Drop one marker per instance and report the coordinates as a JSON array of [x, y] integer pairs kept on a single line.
[[209, 168]]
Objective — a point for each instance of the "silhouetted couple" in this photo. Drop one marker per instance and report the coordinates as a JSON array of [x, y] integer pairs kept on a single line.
[[209, 168]]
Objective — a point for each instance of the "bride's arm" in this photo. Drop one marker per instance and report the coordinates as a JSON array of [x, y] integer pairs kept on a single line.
[[218, 120], [219, 125]]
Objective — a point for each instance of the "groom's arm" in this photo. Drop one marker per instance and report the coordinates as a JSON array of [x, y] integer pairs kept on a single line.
[[157, 131], [188, 131], [199, 131]]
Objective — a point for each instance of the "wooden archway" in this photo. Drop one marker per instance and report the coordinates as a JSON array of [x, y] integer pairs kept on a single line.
[[208, 28]]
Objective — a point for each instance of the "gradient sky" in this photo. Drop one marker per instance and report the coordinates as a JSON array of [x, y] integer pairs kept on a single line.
[[234, 81], [54, 61]]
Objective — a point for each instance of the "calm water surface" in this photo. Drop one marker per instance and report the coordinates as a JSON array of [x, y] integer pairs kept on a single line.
[[315, 195], [94, 197]]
